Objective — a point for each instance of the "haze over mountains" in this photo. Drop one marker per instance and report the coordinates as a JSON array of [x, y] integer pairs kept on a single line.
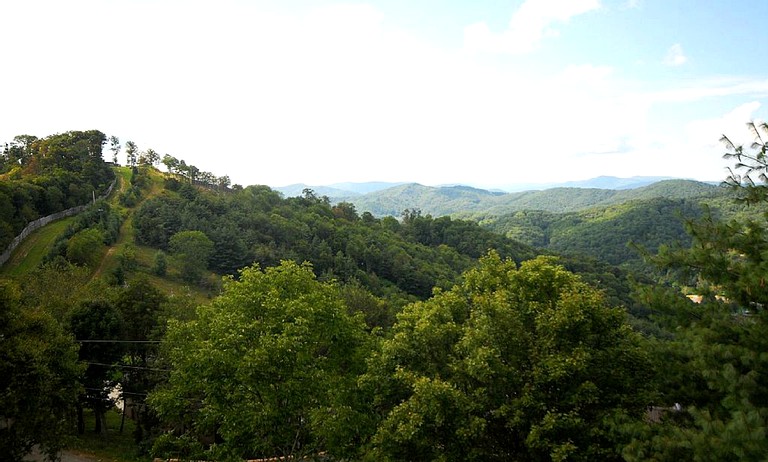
[[383, 199], [347, 189]]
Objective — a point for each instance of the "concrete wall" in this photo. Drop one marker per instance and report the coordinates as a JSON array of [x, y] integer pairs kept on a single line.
[[40, 222]]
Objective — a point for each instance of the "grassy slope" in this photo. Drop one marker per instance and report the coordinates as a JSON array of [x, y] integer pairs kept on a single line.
[[30, 253], [144, 255], [33, 249], [123, 177]]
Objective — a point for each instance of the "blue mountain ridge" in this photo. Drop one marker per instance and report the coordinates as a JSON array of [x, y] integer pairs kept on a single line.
[[352, 189]]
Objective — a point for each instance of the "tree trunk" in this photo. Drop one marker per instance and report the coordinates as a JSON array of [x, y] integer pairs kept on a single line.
[[80, 419], [101, 421], [122, 419]]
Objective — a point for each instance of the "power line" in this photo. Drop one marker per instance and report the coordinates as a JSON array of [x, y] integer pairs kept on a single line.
[[117, 341], [125, 366], [130, 393]]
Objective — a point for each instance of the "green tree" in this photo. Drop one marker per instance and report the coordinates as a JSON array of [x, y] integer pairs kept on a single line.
[[141, 305], [160, 265], [376, 311], [171, 163], [114, 146], [229, 251], [513, 364], [265, 368], [749, 175], [223, 182], [192, 172], [38, 379], [191, 249], [714, 361], [131, 153], [149, 157], [85, 247], [94, 324], [55, 287], [22, 149]]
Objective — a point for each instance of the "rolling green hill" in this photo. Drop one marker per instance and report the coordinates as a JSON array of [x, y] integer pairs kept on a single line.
[[436, 201], [256, 224], [591, 222], [466, 202], [604, 232]]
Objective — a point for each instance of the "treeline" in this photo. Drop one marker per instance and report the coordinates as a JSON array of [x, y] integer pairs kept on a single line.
[[195, 175], [256, 224], [398, 260], [178, 167], [41, 176]]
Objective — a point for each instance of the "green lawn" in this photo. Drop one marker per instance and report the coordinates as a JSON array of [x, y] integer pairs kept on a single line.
[[115, 446], [30, 253]]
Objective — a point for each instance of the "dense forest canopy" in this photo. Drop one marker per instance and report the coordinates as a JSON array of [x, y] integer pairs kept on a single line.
[[534, 336], [256, 224], [41, 176], [610, 234]]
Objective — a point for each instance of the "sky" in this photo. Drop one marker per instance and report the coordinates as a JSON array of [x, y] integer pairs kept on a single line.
[[486, 93]]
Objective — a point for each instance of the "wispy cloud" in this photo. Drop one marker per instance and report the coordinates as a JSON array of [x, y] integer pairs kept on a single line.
[[534, 21], [675, 56]]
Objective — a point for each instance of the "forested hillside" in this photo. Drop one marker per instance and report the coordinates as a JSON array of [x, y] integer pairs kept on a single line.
[[466, 202], [256, 224], [624, 233], [605, 233], [39, 177], [236, 323], [614, 226]]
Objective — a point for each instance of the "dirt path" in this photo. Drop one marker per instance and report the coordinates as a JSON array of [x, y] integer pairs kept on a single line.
[[100, 269], [126, 233]]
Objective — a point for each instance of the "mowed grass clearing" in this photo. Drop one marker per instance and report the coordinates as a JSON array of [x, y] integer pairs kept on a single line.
[[30, 253]]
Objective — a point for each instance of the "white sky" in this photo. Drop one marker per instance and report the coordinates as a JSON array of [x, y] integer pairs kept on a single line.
[[485, 93]]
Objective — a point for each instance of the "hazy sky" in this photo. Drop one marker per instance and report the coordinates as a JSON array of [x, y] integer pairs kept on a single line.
[[480, 92]]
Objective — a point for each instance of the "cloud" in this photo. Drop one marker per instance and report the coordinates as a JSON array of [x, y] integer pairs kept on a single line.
[[707, 132], [534, 21], [675, 56], [337, 93]]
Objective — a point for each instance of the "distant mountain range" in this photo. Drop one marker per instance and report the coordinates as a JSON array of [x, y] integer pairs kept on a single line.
[[349, 189], [336, 190], [383, 199], [612, 182]]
